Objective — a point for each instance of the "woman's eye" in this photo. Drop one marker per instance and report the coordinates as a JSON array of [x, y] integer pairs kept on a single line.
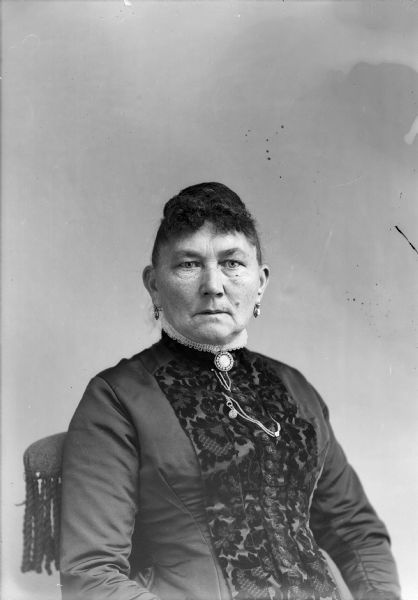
[[189, 264], [232, 264]]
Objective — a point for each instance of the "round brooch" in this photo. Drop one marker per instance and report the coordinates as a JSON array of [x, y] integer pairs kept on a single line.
[[224, 361]]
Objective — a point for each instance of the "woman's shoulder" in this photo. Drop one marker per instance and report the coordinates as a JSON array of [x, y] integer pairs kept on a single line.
[[125, 385], [137, 369]]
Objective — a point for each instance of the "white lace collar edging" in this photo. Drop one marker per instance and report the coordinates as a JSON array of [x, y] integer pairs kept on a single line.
[[240, 342]]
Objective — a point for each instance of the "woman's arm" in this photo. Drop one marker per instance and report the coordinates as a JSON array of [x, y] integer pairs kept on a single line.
[[346, 526], [99, 500]]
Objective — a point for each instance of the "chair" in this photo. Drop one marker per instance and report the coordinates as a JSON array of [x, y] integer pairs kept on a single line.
[[41, 526]]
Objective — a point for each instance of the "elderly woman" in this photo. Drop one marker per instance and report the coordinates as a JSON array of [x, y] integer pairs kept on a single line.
[[201, 470]]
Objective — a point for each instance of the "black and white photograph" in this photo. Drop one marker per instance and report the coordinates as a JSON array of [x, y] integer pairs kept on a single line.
[[209, 228]]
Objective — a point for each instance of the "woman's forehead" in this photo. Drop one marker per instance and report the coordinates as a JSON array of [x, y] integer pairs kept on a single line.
[[208, 240]]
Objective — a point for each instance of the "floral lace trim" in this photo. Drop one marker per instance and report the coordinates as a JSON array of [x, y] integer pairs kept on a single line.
[[257, 489]]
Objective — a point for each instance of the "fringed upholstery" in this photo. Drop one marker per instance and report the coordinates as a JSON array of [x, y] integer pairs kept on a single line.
[[41, 526]]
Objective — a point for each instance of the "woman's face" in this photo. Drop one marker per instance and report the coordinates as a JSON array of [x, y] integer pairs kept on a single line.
[[207, 284]]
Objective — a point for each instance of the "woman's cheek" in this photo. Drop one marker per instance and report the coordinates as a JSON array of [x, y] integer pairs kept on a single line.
[[185, 291]]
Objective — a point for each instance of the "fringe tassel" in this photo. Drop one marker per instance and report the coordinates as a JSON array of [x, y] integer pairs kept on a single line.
[[41, 529]]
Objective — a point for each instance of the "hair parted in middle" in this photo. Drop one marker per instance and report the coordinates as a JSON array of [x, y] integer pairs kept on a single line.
[[209, 202]]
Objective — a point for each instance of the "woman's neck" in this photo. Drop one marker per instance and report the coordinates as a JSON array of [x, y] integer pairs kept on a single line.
[[239, 342]]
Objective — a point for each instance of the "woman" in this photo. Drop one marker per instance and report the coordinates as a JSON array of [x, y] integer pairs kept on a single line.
[[199, 470]]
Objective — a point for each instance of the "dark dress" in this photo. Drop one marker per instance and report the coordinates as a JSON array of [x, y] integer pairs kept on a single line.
[[165, 496]]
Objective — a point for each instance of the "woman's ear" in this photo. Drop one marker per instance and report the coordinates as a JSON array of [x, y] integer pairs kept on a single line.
[[150, 282], [264, 279]]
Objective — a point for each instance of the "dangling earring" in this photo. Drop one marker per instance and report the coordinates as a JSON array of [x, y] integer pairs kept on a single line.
[[156, 312], [257, 311]]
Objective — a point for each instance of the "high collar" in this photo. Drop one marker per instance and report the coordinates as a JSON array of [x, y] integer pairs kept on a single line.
[[204, 359], [240, 342]]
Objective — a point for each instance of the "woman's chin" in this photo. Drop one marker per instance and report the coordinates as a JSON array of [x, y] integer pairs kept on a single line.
[[214, 335]]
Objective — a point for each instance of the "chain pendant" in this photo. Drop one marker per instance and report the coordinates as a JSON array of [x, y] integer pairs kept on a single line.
[[224, 362]]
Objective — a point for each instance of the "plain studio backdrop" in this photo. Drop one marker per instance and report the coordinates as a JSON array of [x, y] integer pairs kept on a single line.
[[306, 109]]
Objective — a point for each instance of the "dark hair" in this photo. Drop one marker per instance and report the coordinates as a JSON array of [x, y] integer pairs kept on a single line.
[[205, 202]]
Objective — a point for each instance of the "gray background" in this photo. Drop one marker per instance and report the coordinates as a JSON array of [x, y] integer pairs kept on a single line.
[[110, 108]]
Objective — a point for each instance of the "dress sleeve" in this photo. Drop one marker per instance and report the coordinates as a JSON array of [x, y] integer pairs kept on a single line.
[[99, 500], [346, 526]]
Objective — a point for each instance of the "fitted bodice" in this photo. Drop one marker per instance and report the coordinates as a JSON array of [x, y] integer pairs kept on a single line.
[[156, 473]]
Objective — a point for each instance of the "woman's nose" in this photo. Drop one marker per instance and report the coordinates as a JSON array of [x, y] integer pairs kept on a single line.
[[211, 283]]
